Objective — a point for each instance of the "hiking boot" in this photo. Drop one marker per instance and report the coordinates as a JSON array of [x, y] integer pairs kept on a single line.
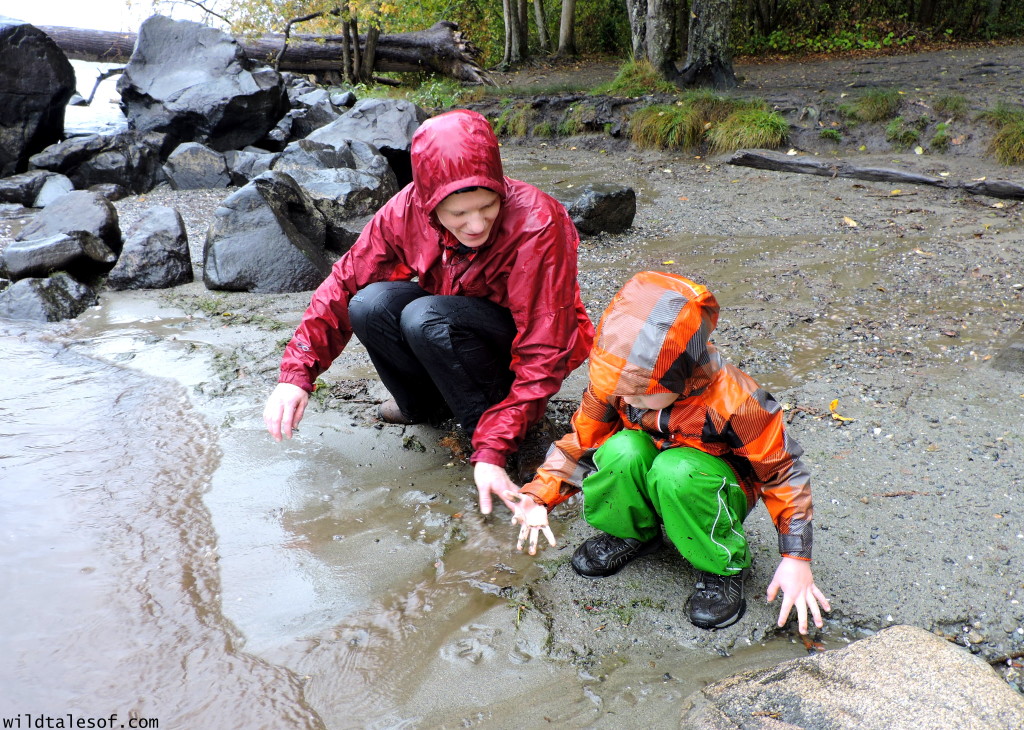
[[717, 600], [605, 554], [389, 412]]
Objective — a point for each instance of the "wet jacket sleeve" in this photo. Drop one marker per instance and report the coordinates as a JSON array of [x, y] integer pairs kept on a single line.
[[325, 328], [757, 434], [571, 458], [542, 298]]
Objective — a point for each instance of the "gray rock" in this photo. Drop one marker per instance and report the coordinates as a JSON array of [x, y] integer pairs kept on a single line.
[[79, 210], [901, 678], [110, 191], [1011, 358], [80, 253], [387, 124], [36, 82], [311, 111], [244, 165], [196, 84], [55, 186], [129, 159], [24, 187], [194, 166], [155, 254], [266, 237], [343, 99], [603, 207], [46, 300]]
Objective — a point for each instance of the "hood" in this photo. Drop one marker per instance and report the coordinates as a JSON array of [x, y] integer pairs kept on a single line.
[[654, 338], [455, 150]]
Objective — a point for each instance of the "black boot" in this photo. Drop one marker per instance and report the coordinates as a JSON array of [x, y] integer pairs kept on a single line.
[[605, 554], [717, 600]]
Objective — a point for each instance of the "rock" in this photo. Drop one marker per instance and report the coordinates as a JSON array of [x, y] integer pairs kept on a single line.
[[55, 186], [266, 237], [194, 166], [196, 84], [110, 191], [46, 300], [80, 253], [244, 165], [603, 207], [36, 82], [343, 99], [129, 159], [344, 183], [79, 210], [311, 111], [24, 187], [903, 677], [387, 124], [155, 254], [1011, 358]]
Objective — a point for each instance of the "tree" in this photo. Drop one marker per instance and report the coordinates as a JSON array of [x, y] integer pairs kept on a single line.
[[708, 57], [543, 41], [567, 29], [515, 32]]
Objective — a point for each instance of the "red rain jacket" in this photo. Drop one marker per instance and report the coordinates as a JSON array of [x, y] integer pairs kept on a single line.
[[528, 266]]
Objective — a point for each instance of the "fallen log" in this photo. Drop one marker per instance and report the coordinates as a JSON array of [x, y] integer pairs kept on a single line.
[[440, 49], [806, 165]]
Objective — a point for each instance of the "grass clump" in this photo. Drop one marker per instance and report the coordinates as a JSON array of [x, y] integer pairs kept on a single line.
[[941, 139], [875, 105], [832, 135], [514, 121], [952, 106], [545, 130], [636, 78], [1007, 146], [901, 134], [574, 121], [703, 116]]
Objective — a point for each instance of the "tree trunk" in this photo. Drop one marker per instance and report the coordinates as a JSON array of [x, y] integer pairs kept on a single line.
[[441, 49], [524, 27], [661, 16], [567, 29], [708, 59], [637, 11], [543, 40], [369, 54], [514, 51]]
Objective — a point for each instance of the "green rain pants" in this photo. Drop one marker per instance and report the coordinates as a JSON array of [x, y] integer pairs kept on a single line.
[[695, 495]]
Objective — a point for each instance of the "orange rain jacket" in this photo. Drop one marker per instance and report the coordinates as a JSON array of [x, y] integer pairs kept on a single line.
[[528, 266], [655, 338]]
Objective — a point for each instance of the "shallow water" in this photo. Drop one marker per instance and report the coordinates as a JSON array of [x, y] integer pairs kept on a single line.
[[164, 559]]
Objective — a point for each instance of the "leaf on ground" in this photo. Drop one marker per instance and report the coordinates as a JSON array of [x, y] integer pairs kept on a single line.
[[847, 220], [832, 409]]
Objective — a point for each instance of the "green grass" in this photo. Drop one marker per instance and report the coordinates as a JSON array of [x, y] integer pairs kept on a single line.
[[544, 129], [703, 116], [514, 121], [1007, 145], [833, 135], [636, 78], [941, 139], [952, 106], [874, 105], [900, 134]]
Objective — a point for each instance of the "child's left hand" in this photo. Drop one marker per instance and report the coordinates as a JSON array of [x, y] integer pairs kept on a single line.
[[534, 519], [795, 579]]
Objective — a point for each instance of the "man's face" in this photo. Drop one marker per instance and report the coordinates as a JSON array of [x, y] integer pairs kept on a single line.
[[469, 216]]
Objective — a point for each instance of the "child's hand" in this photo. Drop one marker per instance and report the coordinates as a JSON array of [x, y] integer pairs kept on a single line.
[[795, 579], [534, 519]]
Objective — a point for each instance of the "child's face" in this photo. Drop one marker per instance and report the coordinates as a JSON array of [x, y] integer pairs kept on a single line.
[[469, 216], [651, 401]]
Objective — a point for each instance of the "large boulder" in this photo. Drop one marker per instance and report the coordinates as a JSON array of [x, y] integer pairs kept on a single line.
[[80, 253], [244, 165], [603, 207], [155, 253], [46, 300], [196, 84], [266, 237], [194, 166], [36, 82], [902, 678], [79, 210], [129, 159], [25, 188], [387, 124]]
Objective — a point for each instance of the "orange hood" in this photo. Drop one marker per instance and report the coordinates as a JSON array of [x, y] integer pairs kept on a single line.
[[654, 338]]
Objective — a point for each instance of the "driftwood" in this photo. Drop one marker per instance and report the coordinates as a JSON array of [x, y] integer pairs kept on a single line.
[[803, 164], [439, 49]]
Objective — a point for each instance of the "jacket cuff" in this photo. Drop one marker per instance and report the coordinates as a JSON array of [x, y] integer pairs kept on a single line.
[[489, 456], [797, 543], [296, 379]]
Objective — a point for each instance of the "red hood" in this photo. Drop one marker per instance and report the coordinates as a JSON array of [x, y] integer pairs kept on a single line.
[[455, 150]]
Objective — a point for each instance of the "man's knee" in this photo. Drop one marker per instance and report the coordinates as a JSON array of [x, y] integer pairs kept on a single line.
[[381, 299]]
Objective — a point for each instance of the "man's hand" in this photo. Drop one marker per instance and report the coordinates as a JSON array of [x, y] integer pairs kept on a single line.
[[795, 579], [491, 479], [534, 519], [284, 410]]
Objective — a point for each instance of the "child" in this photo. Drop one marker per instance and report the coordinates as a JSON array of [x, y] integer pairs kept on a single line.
[[668, 435]]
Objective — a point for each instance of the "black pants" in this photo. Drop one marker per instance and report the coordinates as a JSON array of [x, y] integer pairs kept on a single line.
[[436, 354]]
